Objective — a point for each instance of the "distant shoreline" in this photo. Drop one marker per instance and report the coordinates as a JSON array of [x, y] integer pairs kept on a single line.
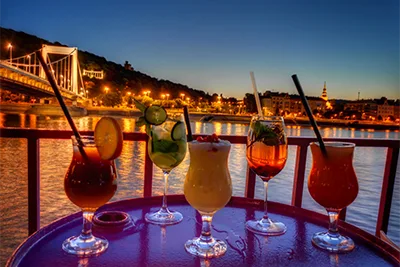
[[55, 110]]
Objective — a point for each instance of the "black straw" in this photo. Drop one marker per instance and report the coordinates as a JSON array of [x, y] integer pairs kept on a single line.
[[309, 113], [53, 84], [187, 121]]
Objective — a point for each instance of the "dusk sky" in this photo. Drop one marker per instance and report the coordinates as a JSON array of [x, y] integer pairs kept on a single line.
[[353, 45]]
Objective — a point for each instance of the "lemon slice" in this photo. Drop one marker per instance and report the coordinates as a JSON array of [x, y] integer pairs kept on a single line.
[[108, 138]]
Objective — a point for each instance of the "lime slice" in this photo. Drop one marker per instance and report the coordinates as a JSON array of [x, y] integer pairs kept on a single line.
[[178, 131], [108, 138], [155, 115], [163, 161]]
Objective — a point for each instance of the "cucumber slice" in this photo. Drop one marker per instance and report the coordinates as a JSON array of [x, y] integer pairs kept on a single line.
[[178, 131], [155, 115]]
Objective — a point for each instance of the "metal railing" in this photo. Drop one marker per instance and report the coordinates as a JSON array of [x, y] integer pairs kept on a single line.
[[34, 135]]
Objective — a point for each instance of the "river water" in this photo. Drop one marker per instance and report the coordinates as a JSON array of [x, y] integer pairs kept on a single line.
[[55, 156]]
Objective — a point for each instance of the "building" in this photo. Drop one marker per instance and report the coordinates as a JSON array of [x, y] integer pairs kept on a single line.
[[396, 110], [128, 66], [324, 95], [385, 109], [367, 108], [285, 104], [94, 74]]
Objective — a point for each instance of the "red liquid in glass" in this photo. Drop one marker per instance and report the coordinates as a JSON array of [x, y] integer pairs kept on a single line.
[[332, 182], [90, 181]]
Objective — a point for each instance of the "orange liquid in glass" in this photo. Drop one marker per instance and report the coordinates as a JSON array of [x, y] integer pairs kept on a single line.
[[90, 182], [266, 161], [332, 182]]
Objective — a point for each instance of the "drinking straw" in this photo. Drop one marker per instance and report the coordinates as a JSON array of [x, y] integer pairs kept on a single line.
[[258, 103], [187, 121], [53, 84], [308, 111]]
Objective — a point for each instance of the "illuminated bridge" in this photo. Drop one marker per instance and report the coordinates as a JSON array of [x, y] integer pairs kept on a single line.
[[25, 74]]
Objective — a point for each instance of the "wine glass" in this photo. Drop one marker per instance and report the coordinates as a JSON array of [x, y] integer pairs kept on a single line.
[[333, 184], [89, 183], [167, 149], [208, 188], [266, 154]]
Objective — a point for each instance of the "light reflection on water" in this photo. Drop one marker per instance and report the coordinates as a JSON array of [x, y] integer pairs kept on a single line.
[[55, 156]]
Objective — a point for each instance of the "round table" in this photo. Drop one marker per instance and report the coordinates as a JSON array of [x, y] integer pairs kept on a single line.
[[144, 244]]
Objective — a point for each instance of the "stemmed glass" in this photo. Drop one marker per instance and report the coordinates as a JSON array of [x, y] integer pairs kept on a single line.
[[167, 149], [266, 155], [208, 188], [89, 183], [333, 184]]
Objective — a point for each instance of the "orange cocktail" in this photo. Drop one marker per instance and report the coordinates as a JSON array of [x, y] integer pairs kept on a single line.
[[90, 181], [333, 184]]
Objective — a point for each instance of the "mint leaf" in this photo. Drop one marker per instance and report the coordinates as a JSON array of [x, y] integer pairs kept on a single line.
[[139, 105], [164, 146], [140, 122]]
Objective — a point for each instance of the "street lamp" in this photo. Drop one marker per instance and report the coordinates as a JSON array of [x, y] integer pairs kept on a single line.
[[148, 92], [182, 95], [10, 47], [106, 89], [167, 96], [129, 93], [163, 96]]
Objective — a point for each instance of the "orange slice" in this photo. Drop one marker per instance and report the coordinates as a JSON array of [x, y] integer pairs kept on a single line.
[[108, 138]]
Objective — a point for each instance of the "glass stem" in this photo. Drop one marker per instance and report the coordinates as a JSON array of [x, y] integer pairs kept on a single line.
[[164, 207], [87, 225], [206, 229], [265, 217], [333, 222]]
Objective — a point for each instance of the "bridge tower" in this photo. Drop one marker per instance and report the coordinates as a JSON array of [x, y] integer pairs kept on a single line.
[[60, 50]]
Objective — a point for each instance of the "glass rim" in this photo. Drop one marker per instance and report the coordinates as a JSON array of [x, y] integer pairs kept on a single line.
[[267, 118], [337, 144]]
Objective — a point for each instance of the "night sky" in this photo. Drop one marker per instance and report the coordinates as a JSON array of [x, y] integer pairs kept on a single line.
[[353, 45]]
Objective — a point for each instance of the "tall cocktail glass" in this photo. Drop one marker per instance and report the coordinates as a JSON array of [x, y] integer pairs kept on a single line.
[[167, 149], [89, 183], [266, 155], [333, 184], [208, 189]]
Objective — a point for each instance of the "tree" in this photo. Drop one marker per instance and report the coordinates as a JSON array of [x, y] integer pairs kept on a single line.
[[111, 99], [250, 103]]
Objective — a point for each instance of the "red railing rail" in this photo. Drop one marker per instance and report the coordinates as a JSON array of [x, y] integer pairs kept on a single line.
[[34, 135]]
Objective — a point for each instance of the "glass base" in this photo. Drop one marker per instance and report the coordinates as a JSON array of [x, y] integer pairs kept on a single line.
[[266, 227], [213, 248], [164, 217], [333, 243], [81, 246]]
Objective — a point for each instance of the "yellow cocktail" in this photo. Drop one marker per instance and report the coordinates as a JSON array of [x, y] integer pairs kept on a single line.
[[208, 188]]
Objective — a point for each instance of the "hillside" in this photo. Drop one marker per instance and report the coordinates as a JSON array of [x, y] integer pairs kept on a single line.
[[116, 76]]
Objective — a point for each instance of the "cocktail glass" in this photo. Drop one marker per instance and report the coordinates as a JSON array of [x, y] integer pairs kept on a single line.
[[167, 149], [89, 183], [208, 188], [333, 184], [266, 155]]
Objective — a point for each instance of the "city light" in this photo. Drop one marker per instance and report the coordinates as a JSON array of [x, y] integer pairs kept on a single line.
[[163, 96], [106, 89], [129, 93], [167, 96], [182, 95], [10, 47]]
